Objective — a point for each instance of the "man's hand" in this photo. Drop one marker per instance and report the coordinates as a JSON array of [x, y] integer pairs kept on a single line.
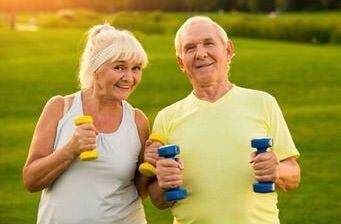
[[169, 173], [265, 166]]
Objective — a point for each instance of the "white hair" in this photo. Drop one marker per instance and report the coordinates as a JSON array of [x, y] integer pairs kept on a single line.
[[105, 43], [195, 20]]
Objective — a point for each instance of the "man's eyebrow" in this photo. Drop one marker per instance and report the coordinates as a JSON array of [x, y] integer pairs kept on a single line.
[[208, 39], [189, 45]]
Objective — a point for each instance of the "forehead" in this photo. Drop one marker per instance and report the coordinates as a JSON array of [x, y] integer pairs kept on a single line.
[[197, 32], [125, 62]]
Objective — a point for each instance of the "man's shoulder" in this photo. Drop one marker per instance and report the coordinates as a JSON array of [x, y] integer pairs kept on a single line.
[[170, 109], [254, 93]]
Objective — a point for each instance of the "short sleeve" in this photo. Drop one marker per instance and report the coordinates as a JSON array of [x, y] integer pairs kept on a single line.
[[159, 126], [283, 144]]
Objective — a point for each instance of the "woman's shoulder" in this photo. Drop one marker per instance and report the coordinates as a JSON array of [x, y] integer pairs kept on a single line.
[[142, 124], [55, 101], [57, 105], [140, 117], [138, 113]]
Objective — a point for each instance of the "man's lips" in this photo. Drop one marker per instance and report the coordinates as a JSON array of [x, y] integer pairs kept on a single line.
[[204, 65]]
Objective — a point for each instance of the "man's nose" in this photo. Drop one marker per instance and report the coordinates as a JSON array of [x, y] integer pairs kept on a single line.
[[201, 52]]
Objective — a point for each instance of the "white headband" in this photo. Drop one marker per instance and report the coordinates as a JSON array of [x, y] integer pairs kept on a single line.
[[101, 57]]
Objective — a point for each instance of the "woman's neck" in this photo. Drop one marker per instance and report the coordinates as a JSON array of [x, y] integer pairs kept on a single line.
[[99, 104]]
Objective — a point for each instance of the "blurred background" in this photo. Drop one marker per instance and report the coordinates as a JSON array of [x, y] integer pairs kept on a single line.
[[289, 48]]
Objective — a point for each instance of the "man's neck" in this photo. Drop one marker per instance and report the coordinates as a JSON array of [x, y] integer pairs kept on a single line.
[[214, 92]]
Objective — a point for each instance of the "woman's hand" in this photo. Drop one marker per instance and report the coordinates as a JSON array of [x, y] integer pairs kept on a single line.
[[151, 152], [83, 139]]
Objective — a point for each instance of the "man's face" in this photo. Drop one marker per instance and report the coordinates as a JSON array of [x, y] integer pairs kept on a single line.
[[204, 57]]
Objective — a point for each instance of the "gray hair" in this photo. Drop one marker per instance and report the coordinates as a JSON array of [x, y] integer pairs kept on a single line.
[[194, 20], [104, 43]]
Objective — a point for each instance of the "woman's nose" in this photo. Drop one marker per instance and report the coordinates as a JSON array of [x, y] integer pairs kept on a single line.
[[128, 76]]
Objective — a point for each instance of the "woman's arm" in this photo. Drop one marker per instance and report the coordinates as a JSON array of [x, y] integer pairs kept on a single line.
[[141, 182], [43, 166]]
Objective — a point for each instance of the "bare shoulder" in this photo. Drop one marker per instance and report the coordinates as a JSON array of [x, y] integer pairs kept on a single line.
[[142, 123], [56, 100], [54, 107], [69, 97], [44, 134], [141, 119]]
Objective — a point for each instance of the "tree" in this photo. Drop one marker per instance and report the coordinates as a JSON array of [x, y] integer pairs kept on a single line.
[[13, 14]]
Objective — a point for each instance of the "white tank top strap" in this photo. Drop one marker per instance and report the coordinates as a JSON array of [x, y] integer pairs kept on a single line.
[[129, 113]]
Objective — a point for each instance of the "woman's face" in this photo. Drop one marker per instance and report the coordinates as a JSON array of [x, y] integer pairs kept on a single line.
[[117, 80]]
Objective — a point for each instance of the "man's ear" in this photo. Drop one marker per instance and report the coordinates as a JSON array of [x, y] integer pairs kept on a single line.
[[180, 63], [229, 49]]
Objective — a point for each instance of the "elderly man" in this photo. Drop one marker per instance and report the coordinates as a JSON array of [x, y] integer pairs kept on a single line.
[[213, 126]]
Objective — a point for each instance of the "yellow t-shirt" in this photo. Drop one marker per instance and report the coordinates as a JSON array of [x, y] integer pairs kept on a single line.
[[214, 140]]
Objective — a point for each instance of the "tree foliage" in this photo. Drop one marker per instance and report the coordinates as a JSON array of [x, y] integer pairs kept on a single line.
[[172, 5]]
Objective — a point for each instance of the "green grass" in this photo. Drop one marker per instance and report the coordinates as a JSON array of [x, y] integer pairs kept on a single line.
[[304, 78]]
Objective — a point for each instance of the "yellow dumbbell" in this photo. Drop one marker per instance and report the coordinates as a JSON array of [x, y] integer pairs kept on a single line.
[[86, 155], [146, 168]]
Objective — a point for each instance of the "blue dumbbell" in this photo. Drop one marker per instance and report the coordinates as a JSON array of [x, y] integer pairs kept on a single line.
[[177, 193], [262, 144]]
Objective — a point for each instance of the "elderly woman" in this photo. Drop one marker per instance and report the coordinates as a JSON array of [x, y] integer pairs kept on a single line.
[[107, 189]]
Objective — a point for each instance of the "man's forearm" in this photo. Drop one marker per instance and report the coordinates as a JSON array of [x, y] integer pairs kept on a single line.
[[157, 196], [289, 175]]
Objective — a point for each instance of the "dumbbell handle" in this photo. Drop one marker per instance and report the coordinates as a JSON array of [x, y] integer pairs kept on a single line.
[[260, 150], [177, 193], [146, 168], [91, 154]]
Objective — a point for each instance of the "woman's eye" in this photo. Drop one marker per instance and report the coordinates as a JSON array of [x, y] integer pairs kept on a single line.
[[136, 68], [119, 68]]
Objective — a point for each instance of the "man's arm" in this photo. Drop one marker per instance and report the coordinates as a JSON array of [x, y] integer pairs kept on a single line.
[[157, 196], [168, 175], [289, 174], [286, 173]]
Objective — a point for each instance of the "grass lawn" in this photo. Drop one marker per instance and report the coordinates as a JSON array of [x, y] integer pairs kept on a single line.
[[305, 79]]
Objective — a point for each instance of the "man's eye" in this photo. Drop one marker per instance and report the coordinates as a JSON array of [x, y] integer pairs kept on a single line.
[[189, 49]]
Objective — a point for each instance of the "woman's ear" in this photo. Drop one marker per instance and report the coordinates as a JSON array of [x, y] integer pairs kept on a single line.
[[95, 75]]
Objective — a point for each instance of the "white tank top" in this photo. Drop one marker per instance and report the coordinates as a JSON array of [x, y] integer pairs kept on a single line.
[[100, 191]]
